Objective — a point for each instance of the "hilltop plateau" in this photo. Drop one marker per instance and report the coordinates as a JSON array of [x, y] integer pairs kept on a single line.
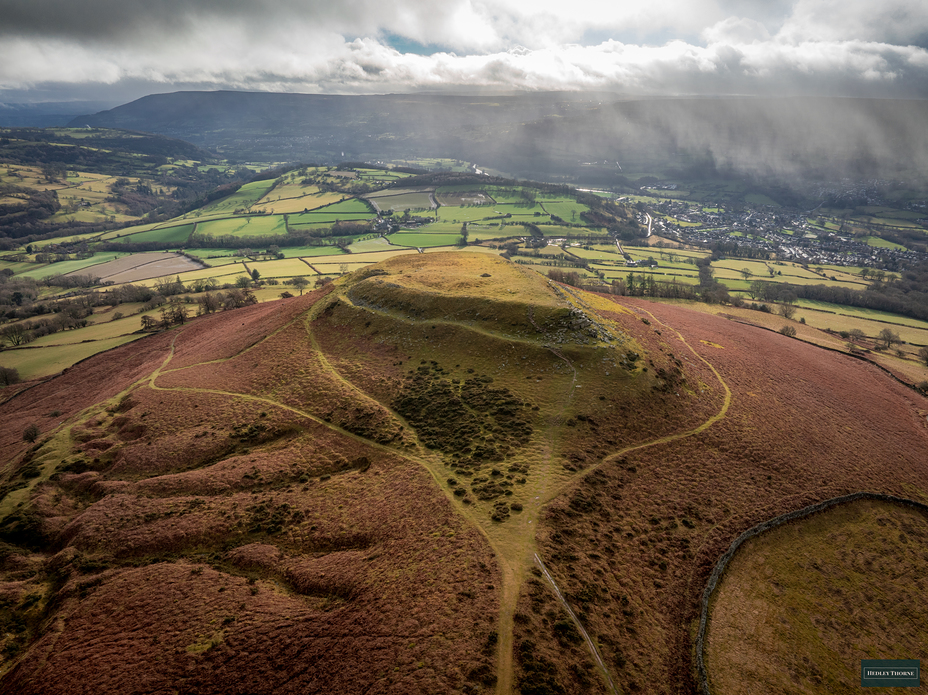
[[441, 473]]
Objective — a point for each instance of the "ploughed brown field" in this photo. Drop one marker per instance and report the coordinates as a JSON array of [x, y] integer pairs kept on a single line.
[[375, 488]]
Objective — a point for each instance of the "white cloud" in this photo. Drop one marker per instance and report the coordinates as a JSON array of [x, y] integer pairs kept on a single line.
[[900, 22], [819, 46], [736, 30]]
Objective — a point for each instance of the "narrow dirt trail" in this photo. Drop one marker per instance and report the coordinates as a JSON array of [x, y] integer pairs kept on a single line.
[[559, 490], [517, 556]]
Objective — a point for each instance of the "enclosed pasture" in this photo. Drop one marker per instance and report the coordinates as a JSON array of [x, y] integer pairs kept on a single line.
[[402, 200], [245, 226], [422, 239], [169, 235], [142, 266], [243, 199]]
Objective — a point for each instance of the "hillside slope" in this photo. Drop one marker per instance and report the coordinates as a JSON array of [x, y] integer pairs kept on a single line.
[[371, 488]]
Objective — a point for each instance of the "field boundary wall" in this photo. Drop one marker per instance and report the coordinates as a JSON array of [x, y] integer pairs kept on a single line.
[[776, 521]]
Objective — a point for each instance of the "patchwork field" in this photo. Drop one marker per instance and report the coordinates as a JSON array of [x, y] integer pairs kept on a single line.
[[458, 214], [142, 266], [243, 199], [244, 227], [455, 196], [399, 200], [78, 267]]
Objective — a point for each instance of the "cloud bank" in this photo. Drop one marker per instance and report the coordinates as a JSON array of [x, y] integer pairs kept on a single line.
[[668, 47]]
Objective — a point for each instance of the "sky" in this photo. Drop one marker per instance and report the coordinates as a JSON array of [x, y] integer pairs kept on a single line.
[[118, 50]]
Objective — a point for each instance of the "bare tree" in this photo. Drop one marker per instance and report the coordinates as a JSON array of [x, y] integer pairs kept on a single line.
[[299, 282], [209, 303], [8, 376], [888, 338], [16, 334]]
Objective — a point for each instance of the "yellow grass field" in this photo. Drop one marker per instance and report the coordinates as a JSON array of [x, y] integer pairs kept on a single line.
[[297, 198], [374, 257], [105, 330], [286, 268], [37, 362]]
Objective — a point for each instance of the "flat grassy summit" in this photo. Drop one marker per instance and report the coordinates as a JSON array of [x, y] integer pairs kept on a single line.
[[440, 473], [484, 292]]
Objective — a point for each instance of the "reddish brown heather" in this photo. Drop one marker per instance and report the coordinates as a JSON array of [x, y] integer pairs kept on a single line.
[[218, 336], [365, 579], [86, 383], [633, 543], [251, 516]]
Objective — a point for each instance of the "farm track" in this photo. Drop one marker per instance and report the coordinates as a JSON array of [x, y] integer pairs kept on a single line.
[[513, 544]]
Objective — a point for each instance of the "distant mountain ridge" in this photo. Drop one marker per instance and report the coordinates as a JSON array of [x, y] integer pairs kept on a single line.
[[551, 135]]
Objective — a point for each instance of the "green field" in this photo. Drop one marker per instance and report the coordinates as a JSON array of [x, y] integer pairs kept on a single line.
[[367, 245], [454, 213], [433, 163], [567, 210], [879, 243], [214, 257], [758, 268], [178, 234], [65, 267], [611, 255], [299, 251], [462, 188], [350, 206], [435, 228], [423, 239], [404, 201], [507, 195], [243, 198], [223, 274], [381, 175], [353, 210], [245, 226], [77, 238], [118, 233], [860, 313]]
